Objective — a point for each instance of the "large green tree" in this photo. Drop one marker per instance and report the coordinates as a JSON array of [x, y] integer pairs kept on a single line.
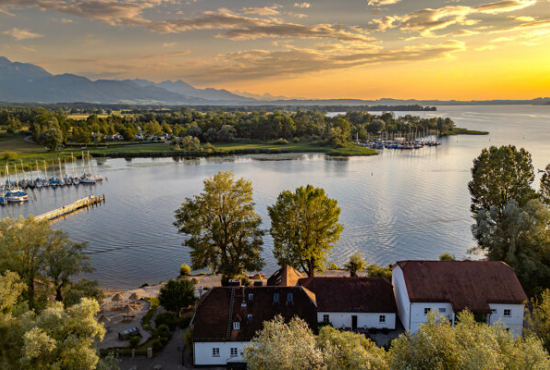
[[501, 174], [177, 294], [36, 252], [305, 228], [51, 138], [519, 236], [222, 228]]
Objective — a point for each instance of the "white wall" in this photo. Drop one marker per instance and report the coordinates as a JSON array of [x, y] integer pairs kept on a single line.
[[364, 319], [401, 296], [203, 352], [419, 317], [514, 322]]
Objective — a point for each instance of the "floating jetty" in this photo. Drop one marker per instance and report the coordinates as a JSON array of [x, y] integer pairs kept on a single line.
[[87, 202]]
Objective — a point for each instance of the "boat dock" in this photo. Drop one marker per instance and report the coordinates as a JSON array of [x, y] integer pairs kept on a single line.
[[73, 207]]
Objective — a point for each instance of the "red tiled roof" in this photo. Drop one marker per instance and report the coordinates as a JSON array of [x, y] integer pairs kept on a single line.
[[212, 316], [346, 294], [465, 284], [285, 276]]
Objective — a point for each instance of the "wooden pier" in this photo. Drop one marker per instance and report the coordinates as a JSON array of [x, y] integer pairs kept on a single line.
[[73, 207]]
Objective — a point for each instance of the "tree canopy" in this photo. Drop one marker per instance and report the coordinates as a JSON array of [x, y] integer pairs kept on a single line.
[[501, 174], [305, 228], [36, 252], [519, 236], [222, 228], [177, 294], [539, 318], [55, 338], [356, 263], [545, 186], [468, 345]]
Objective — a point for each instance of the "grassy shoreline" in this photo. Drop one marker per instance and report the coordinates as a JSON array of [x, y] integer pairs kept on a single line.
[[29, 153]]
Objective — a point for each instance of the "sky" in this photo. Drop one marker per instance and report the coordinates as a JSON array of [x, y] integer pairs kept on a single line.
[[364, 49]]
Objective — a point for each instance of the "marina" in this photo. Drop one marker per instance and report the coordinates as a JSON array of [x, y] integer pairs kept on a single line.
[[13, 191]]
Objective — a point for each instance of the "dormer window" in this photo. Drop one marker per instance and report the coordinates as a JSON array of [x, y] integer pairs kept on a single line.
[[236, 325]]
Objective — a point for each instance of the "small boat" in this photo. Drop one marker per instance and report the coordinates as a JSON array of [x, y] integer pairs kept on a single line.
[[16, 195]]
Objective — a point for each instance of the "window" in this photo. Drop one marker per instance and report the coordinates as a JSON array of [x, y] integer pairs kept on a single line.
[[508, 313], [325, 318], [234, 352], [382, 318], [236, 325], [427, 310], [249, 317], [250, 297], [275, 297], [443, 310], [215, 352], [289, 297]]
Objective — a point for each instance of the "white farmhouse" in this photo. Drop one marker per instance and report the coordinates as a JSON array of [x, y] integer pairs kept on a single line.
[[227, 318], [353, 303], [489, 289]]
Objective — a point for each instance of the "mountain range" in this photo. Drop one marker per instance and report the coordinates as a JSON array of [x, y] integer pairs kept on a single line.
[[28, 83]]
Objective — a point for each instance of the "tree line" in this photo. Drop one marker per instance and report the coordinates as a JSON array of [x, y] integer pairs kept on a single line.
[[216, 126]]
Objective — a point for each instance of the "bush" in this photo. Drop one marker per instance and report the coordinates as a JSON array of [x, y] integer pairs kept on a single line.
[[280, 141], [188, 339], [184, 322], [185, 270], [332, 266], [10, 155], [134, 341], [296, 139], [144, 285], [166, 319]]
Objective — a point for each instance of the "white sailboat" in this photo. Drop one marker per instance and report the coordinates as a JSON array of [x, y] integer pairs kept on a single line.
[[86, 178], [14, 194], [76, 180], [60, 180], [38, 181], [46, 182]]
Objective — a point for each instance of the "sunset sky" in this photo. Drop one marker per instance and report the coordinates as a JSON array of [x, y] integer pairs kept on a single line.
[[366, 49]]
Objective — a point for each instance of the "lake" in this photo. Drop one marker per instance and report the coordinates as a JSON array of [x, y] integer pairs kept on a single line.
[[395, 206]]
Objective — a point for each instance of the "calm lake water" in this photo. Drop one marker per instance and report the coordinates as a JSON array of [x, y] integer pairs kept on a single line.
[[398, 205]]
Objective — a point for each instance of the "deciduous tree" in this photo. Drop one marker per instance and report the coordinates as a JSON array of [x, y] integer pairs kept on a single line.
[[284, 346], [177, 294], [223, 230], [539, 318], [356, 263], [545, 186], [468, 345], [35, 251], [519, 236], [501, 174], [305, 228], [51, 138]]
